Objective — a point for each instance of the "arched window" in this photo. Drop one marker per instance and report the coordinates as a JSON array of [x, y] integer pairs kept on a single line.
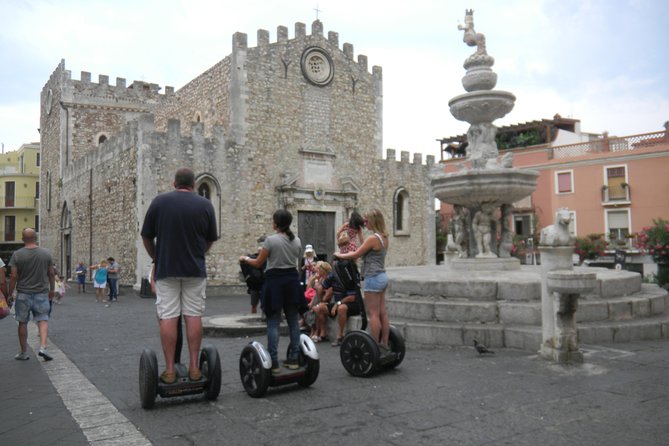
[[66, 241], [204, 191], [197, 117], [207, 186], [401, 212], [48, 190], [101, 138]]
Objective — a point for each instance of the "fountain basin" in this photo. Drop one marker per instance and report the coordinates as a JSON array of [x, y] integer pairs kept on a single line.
[[478, 107], [479, 78], [471, 188], [570, 282]]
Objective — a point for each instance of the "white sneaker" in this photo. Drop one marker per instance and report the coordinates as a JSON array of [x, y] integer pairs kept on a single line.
[[22, 356], [43, 353]]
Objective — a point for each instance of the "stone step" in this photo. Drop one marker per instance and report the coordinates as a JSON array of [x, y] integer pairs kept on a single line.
[[430, 334], [648, 302], [432, 283]]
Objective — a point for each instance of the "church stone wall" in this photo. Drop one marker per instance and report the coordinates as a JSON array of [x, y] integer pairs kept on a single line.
[[267, 139]]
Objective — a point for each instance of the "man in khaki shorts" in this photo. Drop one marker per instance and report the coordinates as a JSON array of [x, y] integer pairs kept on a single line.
[[178, 230]]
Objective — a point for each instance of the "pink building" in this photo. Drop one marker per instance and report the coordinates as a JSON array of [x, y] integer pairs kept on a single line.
[[611, 185]]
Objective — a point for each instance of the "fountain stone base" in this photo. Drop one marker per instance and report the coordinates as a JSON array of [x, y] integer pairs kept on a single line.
[[486, 264]]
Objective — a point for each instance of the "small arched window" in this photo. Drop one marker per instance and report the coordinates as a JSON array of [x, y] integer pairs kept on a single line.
[[204, 191], [401, 212], [101, 138], [208, 187]]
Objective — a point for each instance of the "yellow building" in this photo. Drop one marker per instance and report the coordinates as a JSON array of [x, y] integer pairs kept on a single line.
[[19, 196]]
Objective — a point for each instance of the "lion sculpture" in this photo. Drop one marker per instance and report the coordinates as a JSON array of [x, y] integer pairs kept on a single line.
[[558, 234]]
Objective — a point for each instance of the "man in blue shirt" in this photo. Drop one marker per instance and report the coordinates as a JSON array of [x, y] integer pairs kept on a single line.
[[178, 230]]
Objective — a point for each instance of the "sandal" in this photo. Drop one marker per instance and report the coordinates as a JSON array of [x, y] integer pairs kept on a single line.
[[316, 339], [168, 377], [194, 375], [337, 342]]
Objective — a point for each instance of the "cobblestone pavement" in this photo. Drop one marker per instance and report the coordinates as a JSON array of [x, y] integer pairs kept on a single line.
[[89, 393]]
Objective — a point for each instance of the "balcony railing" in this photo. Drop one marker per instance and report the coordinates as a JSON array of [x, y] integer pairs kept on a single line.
[[23, 202], [618, 196], [606, 144]]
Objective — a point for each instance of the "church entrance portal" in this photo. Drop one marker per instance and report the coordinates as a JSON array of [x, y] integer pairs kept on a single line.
[[317, 229]]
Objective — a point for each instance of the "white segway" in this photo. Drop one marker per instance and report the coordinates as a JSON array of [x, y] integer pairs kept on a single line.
[[255, 366]]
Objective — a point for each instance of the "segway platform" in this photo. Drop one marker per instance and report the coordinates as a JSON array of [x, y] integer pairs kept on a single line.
[[151, 386], [255, 366], [359, 352]]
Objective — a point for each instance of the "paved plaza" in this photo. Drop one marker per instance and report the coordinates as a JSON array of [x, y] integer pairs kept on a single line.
[[89, 393]]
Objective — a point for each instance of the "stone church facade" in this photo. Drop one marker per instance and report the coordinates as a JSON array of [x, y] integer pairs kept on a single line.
[[295, 124]]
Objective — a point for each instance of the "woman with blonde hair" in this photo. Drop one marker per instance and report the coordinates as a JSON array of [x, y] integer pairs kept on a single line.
[[318, 327], [373, 252], [100, 280]]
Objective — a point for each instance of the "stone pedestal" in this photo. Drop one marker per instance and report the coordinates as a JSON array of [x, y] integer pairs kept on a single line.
[[486, 264], [560, 290], [566, 287]]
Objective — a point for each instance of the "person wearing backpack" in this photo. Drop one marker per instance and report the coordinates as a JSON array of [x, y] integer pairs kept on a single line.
[[282, 291], [254, 277]]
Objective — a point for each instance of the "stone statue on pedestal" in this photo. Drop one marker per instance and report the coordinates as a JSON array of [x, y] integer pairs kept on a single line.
[[471, 37]]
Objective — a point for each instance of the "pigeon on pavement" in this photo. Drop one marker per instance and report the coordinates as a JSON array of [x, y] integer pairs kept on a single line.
[[482, 349]]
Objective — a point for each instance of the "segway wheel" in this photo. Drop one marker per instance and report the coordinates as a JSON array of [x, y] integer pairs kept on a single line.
[[255, 378], [359, 353], [148, 378], [210, 366], [312, 368], [396, 345]]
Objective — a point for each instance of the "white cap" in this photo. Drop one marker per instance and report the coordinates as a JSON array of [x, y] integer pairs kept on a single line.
[[309, 248]]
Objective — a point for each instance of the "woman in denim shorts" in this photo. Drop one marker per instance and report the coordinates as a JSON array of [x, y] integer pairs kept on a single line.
[[373, 252]]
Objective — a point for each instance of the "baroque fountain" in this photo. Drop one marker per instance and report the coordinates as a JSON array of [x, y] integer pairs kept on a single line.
[[485, 182], [485, 294]]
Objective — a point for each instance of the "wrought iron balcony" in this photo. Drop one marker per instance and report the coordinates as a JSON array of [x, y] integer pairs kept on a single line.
[[616, 196]]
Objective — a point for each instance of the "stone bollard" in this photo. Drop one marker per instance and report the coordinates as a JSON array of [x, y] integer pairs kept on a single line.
[[565, 286]]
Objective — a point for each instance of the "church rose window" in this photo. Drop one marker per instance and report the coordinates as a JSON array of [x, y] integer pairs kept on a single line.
[[317, 66]]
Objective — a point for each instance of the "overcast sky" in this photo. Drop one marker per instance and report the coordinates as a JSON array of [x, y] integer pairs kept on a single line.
[[604, 62]]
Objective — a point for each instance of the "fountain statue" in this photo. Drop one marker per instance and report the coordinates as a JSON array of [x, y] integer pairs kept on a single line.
[[485, 185]]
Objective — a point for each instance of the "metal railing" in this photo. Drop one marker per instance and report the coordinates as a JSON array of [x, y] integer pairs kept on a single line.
[[612, 198], [613, 144]]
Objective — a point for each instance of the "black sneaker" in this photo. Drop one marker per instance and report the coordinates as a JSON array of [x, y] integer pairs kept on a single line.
[[276, 370], [291, 364]]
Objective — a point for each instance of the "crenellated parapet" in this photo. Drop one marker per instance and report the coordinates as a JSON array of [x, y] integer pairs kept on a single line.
[[141, 134], [240, 41], [391, 156], [106, 90]]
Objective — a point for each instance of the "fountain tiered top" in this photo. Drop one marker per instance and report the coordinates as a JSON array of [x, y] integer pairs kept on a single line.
[[483, 183]]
